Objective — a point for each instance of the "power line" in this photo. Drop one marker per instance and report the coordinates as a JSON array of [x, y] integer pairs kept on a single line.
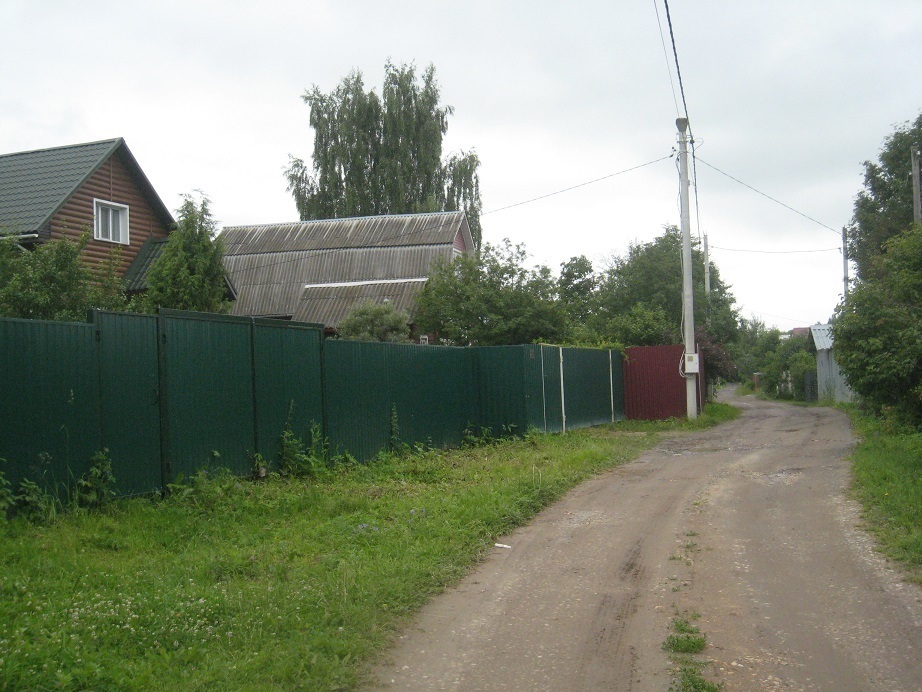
[[304, 254], [786, 206], [659, 23], [775, 252], [574, 187]]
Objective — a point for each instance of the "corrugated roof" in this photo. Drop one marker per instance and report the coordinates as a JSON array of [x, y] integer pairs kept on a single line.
[[35, 184], [366, 231], [271, 264], [330, 304], [822, 336]]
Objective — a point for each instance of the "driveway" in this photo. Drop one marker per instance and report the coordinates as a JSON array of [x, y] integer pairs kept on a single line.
[[745, 525]]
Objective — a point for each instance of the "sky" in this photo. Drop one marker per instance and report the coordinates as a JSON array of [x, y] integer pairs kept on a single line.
[[786, 100]]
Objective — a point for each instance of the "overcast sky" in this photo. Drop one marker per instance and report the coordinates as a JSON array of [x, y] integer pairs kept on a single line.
[[788, 97]]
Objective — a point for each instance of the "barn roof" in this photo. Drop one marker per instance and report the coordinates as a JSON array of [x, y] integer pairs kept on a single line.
[[316, 270], [34, 185]]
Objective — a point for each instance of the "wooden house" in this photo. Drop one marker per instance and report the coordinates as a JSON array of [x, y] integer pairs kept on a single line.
[[96, 188], [315, 271]]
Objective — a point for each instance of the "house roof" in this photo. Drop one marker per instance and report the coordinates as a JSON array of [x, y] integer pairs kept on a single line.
[[316, 270], [822, 336], [136, 276], [34, 185]]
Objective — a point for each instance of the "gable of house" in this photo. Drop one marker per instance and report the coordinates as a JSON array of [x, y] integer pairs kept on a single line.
[[96, 187], [315, 271]]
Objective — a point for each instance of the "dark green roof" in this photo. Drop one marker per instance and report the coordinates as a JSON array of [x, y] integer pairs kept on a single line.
[[135, 279], [34, 185]]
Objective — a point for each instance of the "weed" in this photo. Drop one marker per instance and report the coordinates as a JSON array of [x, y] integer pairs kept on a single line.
[[96, 488], [7, 499], [35, 504], [298, 460], [689, 679], [686, 638]]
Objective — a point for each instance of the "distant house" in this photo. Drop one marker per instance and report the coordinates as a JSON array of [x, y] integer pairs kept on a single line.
[[96, 187], [315, 271], [830, 381]]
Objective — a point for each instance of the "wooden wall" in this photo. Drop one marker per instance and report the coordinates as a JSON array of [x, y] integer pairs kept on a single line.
[[113, 182]]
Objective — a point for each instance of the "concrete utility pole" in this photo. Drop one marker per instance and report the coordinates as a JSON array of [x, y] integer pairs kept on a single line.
[[844, 263], [688, 303], [916, 199]]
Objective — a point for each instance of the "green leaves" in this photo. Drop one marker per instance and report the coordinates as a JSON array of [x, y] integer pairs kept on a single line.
[[52, 282], [878, 329], [371, 321], [491, 299], [383, 155], [190, 274]]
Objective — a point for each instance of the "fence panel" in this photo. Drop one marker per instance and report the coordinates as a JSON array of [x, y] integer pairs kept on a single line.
[[130, 403], [49, 406], [654, 388], [288, 381], [207, 381], [587, 387], [499, 380], [551, 389], [617, 384]]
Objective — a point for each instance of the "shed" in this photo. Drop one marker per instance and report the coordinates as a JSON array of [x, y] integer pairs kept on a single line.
[[830, 381], [315, 271]]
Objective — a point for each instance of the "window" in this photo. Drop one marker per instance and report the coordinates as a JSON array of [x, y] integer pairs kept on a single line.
[[111, 222]]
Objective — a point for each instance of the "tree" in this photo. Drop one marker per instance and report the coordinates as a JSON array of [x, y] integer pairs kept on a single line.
[[52, 282], [189, 274], [371, 321], [878, 329], [383, 155], [883, 209], [650, 276], [491, 299]]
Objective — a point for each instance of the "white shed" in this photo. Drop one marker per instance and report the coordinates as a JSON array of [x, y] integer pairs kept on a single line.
[[829, 379]]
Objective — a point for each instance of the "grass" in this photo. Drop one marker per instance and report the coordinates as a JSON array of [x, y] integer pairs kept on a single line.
[[283, 583], [682, 643], [887, 481]]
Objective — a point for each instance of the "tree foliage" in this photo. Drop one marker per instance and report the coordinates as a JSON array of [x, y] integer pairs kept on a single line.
[[189, 274], [383, 155], [53, 282], [491, 299], [640, 295], [883, 209], [372, 321], [878, 329]]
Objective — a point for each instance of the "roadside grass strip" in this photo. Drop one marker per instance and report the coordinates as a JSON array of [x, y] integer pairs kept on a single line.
[[887, 481], [283, 583]]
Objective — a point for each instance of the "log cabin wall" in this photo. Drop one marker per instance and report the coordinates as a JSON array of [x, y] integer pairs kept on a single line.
[[112, 182]]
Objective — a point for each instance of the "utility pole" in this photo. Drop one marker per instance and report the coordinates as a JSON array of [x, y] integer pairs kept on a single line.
[[688, 305], [707, 269], [844, 264], [916, 199]]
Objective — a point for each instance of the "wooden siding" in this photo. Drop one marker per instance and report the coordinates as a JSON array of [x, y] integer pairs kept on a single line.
[[112, 182]]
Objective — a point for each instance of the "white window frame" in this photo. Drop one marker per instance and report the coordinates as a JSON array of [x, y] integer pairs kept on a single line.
[[104, 209]]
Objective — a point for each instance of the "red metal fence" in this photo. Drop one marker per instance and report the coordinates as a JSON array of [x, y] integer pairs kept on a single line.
[[654, 387]]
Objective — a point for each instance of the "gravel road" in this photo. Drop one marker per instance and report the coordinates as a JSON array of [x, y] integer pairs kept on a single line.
[[746, 524]]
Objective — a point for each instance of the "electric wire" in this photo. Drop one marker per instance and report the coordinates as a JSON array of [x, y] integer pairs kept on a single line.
[[301, 255], [659, 23], [775, 252], [776, 201]]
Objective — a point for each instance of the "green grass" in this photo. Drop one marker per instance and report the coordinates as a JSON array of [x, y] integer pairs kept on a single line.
[[682, 643], [713, 414], [686, 638], [887, 481], [231, 584]]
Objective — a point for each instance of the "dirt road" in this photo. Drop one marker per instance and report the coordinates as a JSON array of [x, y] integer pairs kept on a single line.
[[745, 524]]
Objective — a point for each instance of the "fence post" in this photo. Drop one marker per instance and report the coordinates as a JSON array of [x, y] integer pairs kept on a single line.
[[563, 397], [611, 386], [166, 458]]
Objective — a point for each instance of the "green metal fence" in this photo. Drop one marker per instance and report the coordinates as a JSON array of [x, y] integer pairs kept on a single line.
[[169, 394]]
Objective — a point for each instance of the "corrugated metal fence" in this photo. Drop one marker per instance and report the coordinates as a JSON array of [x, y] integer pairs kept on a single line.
[[171, 393]]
